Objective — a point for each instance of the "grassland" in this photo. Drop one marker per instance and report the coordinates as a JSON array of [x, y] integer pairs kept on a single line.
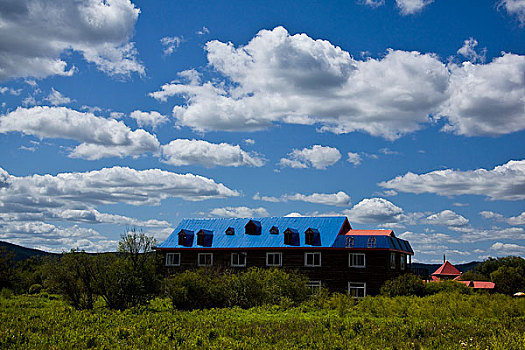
[[441, 321]]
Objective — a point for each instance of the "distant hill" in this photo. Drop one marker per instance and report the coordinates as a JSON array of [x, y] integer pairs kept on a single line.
[[426, 269], [23, 253]]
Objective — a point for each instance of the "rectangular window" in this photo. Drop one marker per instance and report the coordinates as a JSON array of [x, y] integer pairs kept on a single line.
[[173, 259], [205, 259], [312, 259], [392, 260], [238, 259], [315, 286], [357, 289], [274, 259], [403, 262], [356, 260]]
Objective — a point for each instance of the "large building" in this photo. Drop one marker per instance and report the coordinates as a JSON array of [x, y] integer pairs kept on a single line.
[[326, 249]]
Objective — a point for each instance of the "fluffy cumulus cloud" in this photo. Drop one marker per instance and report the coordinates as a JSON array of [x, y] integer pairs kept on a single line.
[[476, 235], [409, 7], [283, 78], [185, 152], [505, 249], [99, 137], [340, 199], [468, 50], [239, 212], [514, 220], [170, 44], [317, 156], [486, 99], [504, 182], [152, 118], [514, 8], [29, 203], [376, 211], [354, 158], [447, 218], [517, 220], [56, 98], [37, 34]]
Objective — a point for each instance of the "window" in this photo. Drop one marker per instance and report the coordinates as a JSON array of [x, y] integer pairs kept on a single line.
[[349, 242], [238, 259], [312, 259], [371, 242], [182, 239], [291, 237], [205, 259], [312, 237], [173, 259], [274, 230], [357, 289], [230, 231], [315, 286], [392, 260], [356, 260], [253, 227], [403, 262], [274, 259]]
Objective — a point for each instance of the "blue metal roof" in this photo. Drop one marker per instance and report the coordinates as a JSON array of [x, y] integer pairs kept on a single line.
[[328, 228]]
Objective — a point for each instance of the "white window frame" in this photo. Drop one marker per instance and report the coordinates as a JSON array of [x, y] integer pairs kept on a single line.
[[238, 254], [358, 286], [279, 254], [351, 262], [315, 286], [403, 262], [393, 261], [204, 254], [169, 259], [313, 254]]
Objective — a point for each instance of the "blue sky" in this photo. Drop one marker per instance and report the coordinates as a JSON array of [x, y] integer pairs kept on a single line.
[[402, 114]]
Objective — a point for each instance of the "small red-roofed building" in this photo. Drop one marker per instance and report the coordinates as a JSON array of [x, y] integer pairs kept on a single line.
[[447, 271]]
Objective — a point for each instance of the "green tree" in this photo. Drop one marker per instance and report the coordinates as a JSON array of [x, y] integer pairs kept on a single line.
[[492, 264], [6, 268], [508, 280]]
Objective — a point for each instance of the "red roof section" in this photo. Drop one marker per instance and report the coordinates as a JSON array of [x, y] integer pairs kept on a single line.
[[370, 233], [447, 269], [483, 285]]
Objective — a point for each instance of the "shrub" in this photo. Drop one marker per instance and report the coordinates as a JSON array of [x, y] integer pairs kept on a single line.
[[196, 290], [35, 288], [6, 293], [447, 287], [407, 284]]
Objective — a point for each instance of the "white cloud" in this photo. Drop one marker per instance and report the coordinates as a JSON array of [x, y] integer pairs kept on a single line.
[[476, 235], [203, 31], [409, 7], [375, 211], [504, 182], [317, 156], [56, 98], [373, 3], [240, 212], [249, 141], [504, 249], [170, 44], [354, 158], [491, 215], [517, 220], [37, 34], [340, 198], [99, 137], [486, 99], [425, 238], [11, 91], [283, 78], [468, 50], [447, 218], [152, 118], [185, 152], [514, 8]]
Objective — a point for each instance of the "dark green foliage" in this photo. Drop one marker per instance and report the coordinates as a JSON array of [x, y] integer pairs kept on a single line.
[[508, 279], [35, 288], [6, 268], [447, 287], [208, 288], [407, 284], [473, 276], [491, 264]]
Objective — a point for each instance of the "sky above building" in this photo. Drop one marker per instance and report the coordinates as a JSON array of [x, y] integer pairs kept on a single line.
[[401, 114]]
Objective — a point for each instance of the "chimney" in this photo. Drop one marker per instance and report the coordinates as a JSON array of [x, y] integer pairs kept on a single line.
[[444, 260]]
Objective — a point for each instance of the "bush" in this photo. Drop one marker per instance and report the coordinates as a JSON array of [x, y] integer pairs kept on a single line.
[[407, 284], [35, 288], [447, 287], [204, 289]]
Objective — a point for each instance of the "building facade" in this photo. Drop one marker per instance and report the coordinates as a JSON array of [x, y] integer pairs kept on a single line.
[[326, 249]]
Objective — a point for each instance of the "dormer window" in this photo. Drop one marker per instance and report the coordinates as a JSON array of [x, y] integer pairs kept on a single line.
[[185, 238], [230, 231], [204, 238], [291, 237], [349, 242], [274, 230], [371, 242], [312, 237], [253, 227]]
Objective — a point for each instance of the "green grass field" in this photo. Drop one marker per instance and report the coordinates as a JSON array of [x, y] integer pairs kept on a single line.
[[441, 321]]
